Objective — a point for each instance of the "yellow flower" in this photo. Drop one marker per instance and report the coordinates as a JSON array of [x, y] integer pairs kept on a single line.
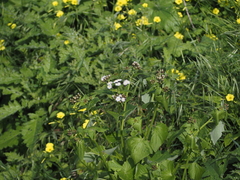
[[85, 123], [59, 13], [180, 14], [118, 8], [63, 179], [49, 147], [74, 2], [82, 110], [117, 26], [12, 26], [178, 35], [121, 2], [2, 41], [2, 47], [54, 3], [238, 20], [230, 97], [66, 42], [132, 12], [60, 115], [65, 1], [212, 36], [215, 11], [178, 2], [121, 17], [181, 77], [145, 5], [72, 114], [156, 19]]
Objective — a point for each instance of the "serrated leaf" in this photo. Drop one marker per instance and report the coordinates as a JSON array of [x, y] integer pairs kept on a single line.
[[126, 172], [12, 156], [9, 109], [9, 138], [31, 130], [217, 132], [139, 148]]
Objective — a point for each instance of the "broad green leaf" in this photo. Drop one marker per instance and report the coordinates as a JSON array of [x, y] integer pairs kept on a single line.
[[195, 171], [9, 109], [146, 98], [158, 136], [139, 148], [167, 168], [136, 123], [126, 173], [217, 132], [80, 149], [141, 171], [9, 138], [115, 166]]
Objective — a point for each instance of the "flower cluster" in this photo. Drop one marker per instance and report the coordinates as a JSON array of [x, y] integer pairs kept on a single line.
[[49, 147], [143, 21], [117, 82], [180, 77], [119, 98], [160, 75], [73, 2], [212, 36], [2, 47], [12, 25], [136, 65]]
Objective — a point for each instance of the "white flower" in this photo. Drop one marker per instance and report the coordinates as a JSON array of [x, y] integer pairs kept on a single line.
[[123, 99], [117, 80], [118, 99], [117, 84], [104, 78], [126, 82], [109, 85]]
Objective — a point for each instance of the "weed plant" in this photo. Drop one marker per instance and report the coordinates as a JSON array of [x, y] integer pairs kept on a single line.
[[119, 89]]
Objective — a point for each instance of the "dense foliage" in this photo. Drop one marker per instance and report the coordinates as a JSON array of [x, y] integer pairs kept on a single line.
[[119, 89]]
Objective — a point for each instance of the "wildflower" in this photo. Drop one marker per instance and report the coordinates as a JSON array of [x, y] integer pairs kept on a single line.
[[65, 1], [109, 85], [59, 13], [66, 42], [121, 17], [104, 78], [156, 19], [85, 123], [238, 20], [54, 3], [181, 77], [230, 97], [215, 11], [119, 98], [63, 179], [180, 14], [145, 5], [122, 2], [12, 26], [49, 147], [93, 112], [126, 82], [2, 47], [212, 36], [74, 2], [142, 21], [60, 115], [178, 2], [118, 8], [82, 110], [117, 82], [132, 12], [117, 26], [178, 35]]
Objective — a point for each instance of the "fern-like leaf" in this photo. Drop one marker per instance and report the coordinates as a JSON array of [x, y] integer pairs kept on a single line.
[[32, 129], [9, 109], [9, 138]]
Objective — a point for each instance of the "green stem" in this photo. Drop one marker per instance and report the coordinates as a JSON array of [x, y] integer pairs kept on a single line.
[[151, 124]]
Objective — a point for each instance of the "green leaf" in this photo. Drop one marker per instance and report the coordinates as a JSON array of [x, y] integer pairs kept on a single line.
[[146, 98], [126, 172], [80, 149], [115, 166], [195, 171], [32, 129], [159, 135], [139, 148], [9, 138], [136, 123], [217, 132], [141, 171], [12, 156], [9, 109], [167, 168]]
